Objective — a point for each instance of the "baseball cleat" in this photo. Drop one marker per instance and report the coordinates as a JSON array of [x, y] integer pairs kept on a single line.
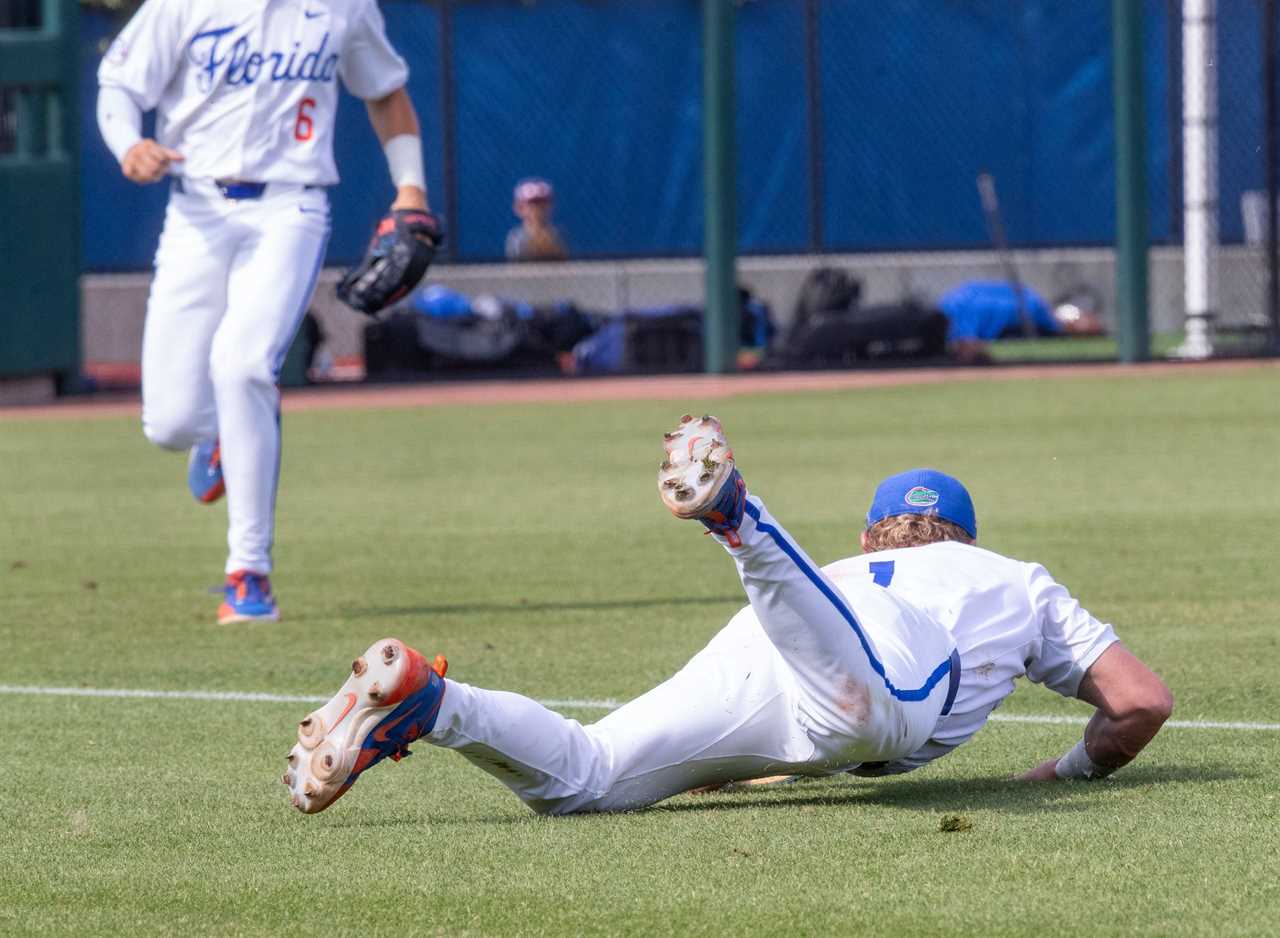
[[204, 472], [247, 598], [698, 479], [391, 698]]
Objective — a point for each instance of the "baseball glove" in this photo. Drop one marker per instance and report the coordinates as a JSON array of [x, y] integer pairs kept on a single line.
[[403, 246]]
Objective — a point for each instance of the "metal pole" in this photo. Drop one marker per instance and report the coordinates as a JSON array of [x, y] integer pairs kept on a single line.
[[1200, 174], [813, 89], [1173, 105], [1270, 93], [720, 323], [1131, 182], [448, 133]]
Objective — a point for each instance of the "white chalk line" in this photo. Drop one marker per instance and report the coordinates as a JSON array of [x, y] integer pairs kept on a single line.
[[230, 696]]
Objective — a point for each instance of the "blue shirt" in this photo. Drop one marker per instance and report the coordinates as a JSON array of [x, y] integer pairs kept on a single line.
[[988, 309]]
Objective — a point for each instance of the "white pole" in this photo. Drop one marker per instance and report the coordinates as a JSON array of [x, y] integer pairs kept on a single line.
[[1200, 174]]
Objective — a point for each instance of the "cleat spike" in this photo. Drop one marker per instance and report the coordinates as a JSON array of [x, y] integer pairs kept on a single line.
[[310, 789], [686, 418], [666, 464], [684, 493], [670, 483], [297, 802], [389, 652], [310, 731], [668, 437], [705, 477], [375, 691], [293, 760], [358, 667]]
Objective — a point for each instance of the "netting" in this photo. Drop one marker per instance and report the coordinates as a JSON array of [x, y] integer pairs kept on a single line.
[[860, 127]]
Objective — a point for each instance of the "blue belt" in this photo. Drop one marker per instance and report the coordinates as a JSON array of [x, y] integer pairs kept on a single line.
[[953, 684], [235, 189]]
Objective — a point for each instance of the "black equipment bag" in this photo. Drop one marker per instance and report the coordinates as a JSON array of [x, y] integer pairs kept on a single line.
[[887, 332], [826, 290]]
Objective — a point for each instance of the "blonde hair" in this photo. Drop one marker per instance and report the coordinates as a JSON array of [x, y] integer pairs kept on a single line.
[[912, 530]]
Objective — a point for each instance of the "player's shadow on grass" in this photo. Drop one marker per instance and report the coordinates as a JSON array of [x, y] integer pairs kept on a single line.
[[1003, 794], [525, 607], [921, 795]]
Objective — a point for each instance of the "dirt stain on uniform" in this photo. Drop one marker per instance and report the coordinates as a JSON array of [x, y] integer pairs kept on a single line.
[[854, 701]]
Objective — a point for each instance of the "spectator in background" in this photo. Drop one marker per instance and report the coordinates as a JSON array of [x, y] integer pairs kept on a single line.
[[979, 311], [535, 238]]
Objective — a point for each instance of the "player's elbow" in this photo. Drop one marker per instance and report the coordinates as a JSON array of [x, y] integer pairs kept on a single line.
[[396, 99], [384, 100], [1151, 708], [1161, 707]]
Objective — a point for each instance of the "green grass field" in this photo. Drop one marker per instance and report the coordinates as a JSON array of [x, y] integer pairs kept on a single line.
[[528, 544]]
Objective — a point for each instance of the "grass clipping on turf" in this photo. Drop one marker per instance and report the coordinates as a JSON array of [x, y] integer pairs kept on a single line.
[[953, 823]]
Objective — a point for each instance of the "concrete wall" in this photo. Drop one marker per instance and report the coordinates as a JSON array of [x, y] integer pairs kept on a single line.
[[113, 304]]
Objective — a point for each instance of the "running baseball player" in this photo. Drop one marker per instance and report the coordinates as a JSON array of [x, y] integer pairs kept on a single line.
[[245, 94], [875, 665]]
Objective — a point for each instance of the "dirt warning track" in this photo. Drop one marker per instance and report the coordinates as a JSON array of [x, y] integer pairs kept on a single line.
[[650, 387]]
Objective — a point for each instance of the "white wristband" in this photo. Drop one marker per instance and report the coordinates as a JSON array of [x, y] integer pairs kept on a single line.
[[404, 159], [1076, 764]]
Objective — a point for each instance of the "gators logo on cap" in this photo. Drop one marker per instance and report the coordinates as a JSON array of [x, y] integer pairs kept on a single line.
[[921, 497]]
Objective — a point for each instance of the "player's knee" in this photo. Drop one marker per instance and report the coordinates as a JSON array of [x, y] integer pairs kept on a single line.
[[168, 431], [230, 370]]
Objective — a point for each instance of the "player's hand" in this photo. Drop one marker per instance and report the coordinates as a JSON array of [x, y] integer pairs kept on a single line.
[[1044, 772], [147, 162]]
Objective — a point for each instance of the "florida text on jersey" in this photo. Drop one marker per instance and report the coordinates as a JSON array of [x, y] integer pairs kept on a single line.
[[248, 89]]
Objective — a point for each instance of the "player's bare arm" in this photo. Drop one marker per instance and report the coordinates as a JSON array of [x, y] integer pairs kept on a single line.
[[395, 122], [406, 239], [1133, 703]]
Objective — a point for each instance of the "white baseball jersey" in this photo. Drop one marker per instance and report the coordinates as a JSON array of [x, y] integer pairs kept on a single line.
[[247, 89], [1008, 619]]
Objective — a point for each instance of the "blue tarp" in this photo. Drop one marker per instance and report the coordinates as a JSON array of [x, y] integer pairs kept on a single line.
[[916, 98]]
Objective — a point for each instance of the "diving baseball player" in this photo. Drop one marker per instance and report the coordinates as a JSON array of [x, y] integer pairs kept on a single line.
[[245, 94], [874, 665]]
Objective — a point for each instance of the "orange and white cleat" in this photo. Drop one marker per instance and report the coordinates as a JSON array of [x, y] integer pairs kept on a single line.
[[698, 478], [391, 699]]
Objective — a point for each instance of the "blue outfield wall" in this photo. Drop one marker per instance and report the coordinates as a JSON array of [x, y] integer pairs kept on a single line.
[[916, 97], [1020, 89]]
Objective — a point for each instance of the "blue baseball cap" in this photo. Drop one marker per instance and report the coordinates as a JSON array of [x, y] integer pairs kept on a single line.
[[924, 492]]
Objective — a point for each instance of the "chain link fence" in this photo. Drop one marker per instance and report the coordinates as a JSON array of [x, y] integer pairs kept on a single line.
[[861, 128]]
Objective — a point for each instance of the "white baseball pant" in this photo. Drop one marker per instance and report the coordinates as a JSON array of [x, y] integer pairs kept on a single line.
[[806, 680], [232, 283]]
